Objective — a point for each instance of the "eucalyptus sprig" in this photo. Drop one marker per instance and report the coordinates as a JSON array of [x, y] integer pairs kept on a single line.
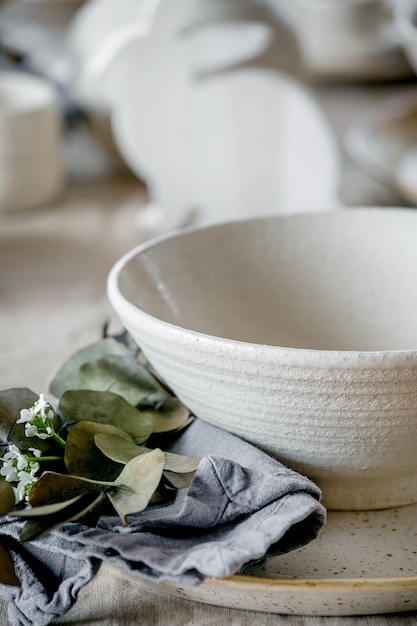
[[97, 448]]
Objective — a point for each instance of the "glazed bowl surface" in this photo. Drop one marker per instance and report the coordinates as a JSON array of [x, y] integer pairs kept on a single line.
[[297, 333]]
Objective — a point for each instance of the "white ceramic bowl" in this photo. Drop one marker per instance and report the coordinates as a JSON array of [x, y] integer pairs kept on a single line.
[[298, 333]]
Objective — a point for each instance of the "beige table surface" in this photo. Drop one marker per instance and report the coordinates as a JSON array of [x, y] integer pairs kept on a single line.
[[53, 267]]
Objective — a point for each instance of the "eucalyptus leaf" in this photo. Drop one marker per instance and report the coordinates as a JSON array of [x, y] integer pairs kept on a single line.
[[138, 482], [163, 439], [53, 487], [179, 470], [12, 401], [117, 448], [122, 375], [173, 415], [7, 499], [67, 376], [34, 512], [179, 480], [76, 509], [83, 458], [7, 571], [120, 450], [180, 464], [104, 407], [164, 493]]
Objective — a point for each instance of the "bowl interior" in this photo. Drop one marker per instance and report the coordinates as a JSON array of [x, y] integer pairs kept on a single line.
[[343, 280]]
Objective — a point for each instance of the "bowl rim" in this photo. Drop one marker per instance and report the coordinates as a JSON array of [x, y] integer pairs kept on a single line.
[[305, 357]]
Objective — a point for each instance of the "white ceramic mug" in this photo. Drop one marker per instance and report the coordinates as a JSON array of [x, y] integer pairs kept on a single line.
[[32, 168]]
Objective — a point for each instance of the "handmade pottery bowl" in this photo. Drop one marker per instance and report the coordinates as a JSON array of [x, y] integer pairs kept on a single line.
[[297, 333]]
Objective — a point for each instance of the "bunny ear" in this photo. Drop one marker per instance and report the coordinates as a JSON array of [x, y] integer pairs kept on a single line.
[[220, 46], [139, 26]]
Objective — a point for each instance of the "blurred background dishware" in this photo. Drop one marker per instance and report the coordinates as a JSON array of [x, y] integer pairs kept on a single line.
[[383, 142], [207, 128], [94, 37], [405, 22], [212, 103], [350, 40], [31, 142]]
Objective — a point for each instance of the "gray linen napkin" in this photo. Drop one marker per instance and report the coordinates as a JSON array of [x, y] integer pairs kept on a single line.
[[241, 506]]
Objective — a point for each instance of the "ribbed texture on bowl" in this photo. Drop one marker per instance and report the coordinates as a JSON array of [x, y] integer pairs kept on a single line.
[[336, 425]]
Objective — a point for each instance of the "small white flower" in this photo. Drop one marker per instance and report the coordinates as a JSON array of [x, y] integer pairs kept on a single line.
[[38, 419], [24, 485], [37, 453], [25, 416], [9, 472], [42, 435], [13, 452], [19, 468], [42, 406], [31, 430], [15, 457]]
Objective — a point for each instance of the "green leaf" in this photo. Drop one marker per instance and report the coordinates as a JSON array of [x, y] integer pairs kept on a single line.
[[179, 470], [179, 480], [76, 509], [172, 416], [104, 407], [118, 448], [68, 375], [122, 451], [138, 482], [7, 499], [122, 375], [7, 571], [83, 458], [52, 488], [45, 509], [180, 464], [12, 401]]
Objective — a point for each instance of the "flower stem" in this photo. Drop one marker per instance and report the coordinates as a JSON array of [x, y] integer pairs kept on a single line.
[[58, 439], [39, 459]]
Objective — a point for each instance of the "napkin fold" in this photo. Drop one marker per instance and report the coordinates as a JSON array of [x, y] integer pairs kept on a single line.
[[241, 507]]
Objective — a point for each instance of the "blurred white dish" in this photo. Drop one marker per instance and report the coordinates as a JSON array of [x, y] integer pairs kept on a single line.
[[37, 31], [209, 143], [31, 142], [251, 142], [349, 39], [102, 28], [218, 144], [405, 14], [93, 40], [383, 143]]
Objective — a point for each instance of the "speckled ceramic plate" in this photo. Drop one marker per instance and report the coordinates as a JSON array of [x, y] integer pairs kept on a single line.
[[383, 143], [363, 563]]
